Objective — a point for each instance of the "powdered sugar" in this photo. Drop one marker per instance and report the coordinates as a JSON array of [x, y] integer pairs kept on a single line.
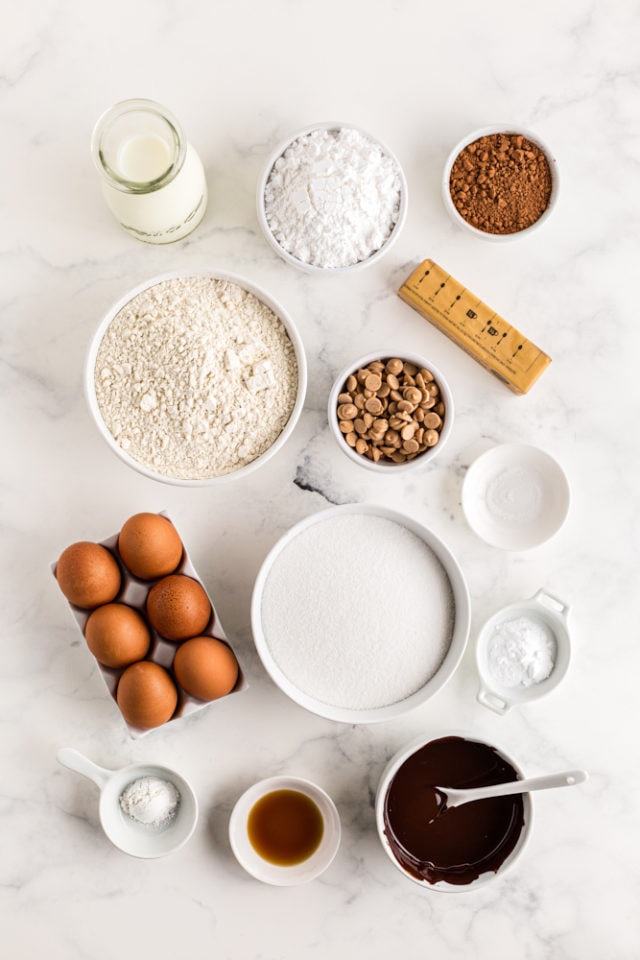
[[333, 198], [357, 611], [196, 377]]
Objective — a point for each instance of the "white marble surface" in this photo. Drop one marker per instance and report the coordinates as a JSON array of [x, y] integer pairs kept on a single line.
[[240, 76]]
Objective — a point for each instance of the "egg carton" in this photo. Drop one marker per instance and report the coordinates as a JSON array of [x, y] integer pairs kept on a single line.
[[133, 592]]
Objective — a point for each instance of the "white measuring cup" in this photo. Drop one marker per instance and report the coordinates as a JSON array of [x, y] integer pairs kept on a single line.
[[125, 833]]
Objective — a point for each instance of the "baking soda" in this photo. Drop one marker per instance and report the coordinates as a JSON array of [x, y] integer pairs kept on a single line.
[[357, 612], [521, 652]]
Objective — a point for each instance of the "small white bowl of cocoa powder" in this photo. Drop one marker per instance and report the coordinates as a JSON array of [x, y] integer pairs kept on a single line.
[[500, 182], [390, 412]]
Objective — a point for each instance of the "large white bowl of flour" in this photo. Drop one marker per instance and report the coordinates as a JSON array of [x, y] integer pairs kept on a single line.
[[360, 614], [196, 377]]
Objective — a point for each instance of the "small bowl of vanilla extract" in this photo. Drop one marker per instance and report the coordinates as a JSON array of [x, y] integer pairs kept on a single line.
[[285, 831]]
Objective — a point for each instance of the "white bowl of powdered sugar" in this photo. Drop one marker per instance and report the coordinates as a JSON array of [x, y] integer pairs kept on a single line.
[[331, 198], [360, 614], [195, 378]]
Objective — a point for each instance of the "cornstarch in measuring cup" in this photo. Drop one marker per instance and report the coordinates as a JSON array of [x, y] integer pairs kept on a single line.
[[521, 652], [358, 612], [151, 801]]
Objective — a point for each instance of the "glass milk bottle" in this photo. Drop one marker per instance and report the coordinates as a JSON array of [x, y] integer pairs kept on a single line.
[[152, 179]]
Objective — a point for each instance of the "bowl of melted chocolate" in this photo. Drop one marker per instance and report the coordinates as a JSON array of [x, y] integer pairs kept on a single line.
[[450, 849]]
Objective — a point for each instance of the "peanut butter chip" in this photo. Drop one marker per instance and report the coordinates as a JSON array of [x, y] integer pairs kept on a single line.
[[413, 395], [393, 366], [382, 411], [347, 411], [432, 421]]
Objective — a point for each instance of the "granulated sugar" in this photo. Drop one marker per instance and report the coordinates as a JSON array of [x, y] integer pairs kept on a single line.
[[333, 198], [196, 377], [357, 611]]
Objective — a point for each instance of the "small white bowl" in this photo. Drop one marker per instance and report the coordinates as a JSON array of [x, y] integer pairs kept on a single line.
[[549, 612], [262, 217], [483, 879], [515, 496], [385, 466], [460, 631], [487, 132], [146, 471], [257, 866], [136, 839]]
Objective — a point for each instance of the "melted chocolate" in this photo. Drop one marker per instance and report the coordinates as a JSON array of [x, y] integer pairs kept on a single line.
[[458, 844]]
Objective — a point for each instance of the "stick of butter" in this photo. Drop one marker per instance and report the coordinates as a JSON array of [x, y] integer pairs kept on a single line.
[[474, 326]]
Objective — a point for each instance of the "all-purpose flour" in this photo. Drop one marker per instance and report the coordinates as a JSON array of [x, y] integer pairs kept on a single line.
[[196, 377], [333, 198], [357, 611]]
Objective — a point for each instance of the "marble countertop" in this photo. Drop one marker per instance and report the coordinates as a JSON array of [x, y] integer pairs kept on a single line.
[[241, 76]]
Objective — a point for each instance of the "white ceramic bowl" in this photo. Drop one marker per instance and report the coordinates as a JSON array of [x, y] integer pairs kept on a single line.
[[515, 496], [460, 631], [262, 217], [549, 612], [483, 879], [257, 866], [486, 132], [146, 471], [387, 467]]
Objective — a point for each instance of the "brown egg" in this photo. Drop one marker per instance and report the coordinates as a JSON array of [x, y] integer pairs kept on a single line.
[[88, 574], [206, 668], [146, 695], [178, 607], [150, 546], [117, 635]]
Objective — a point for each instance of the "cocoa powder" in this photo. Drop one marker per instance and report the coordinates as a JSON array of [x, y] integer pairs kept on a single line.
[[501, 183]]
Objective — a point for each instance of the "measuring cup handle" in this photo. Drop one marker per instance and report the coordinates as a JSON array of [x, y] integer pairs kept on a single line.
[[492, 701], [77, 762], [553, 603]]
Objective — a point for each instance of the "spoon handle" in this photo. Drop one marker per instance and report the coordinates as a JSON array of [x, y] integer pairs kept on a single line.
[[567, 779], [77, 761]]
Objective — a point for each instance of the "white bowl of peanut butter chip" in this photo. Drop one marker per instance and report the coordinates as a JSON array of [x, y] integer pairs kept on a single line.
[[390, 412]]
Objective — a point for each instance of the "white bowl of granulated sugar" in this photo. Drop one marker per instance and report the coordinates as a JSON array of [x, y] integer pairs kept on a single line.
[[331, 198], [195, 378], [360, 614]]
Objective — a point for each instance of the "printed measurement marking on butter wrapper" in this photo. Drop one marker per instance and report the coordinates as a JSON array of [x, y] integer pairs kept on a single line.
[[474, 326]]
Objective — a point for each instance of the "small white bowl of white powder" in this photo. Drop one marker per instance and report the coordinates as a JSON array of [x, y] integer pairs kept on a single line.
[[331, 198], [196, 377], [360, 614], [523, 652]]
